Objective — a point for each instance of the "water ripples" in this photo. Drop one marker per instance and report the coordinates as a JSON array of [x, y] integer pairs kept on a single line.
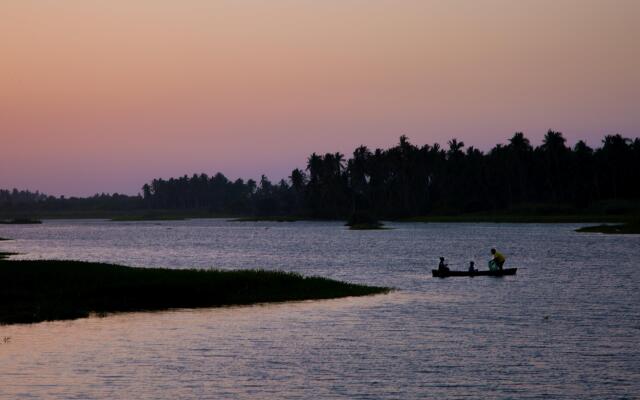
[[567, 326]]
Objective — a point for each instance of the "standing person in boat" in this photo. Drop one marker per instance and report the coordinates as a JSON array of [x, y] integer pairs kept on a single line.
[[498, 258], [442, 267], [471, 267]]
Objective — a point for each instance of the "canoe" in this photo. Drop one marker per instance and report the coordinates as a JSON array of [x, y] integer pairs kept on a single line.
[[445, 274]]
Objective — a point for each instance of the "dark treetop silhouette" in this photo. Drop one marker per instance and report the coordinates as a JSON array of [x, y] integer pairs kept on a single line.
[[402, 181]]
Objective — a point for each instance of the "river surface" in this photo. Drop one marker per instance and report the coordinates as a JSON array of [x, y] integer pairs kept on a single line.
[[567, 326]]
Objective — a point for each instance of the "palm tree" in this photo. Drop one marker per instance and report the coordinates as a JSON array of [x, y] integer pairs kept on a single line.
[[554, 158], [615, 153], [519, 164], [455, 149]]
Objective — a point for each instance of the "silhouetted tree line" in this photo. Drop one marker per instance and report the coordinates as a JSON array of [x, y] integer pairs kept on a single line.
[[25, 202], [406, 180]]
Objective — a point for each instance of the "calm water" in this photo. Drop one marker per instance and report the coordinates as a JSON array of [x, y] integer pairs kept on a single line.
[[566, 327]]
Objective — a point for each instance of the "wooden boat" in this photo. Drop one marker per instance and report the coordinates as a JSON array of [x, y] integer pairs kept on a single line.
[[445, 274]]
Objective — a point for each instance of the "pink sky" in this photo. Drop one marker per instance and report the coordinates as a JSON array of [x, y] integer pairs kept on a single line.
[[103, 96]]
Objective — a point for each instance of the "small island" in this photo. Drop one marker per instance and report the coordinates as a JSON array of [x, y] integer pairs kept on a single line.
[[621, 229], [367, 226], [362, 220], [34, 291], [282, 218], [147, 217]]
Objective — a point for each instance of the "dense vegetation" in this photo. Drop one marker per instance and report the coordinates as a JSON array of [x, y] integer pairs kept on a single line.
[[32, 291], [23, 203], [403, 181]]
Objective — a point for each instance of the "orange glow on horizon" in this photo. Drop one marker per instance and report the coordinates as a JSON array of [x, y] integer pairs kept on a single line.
[[103, 96]]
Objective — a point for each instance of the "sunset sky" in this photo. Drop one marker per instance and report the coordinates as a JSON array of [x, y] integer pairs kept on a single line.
[[103, 96]]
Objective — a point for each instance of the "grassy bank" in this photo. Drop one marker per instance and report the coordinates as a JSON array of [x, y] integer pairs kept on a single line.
[[130, 215], [502, 217], [285, 218], [498, 218], [149, 217], [628, 228], [21, 221], [33, 291], [164, 215], [520, 218]]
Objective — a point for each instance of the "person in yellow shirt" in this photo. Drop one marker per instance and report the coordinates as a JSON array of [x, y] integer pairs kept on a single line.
[[498, 258], [443, 267]]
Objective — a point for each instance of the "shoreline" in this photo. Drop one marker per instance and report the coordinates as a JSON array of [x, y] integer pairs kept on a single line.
[[602, 223], [479, 217]]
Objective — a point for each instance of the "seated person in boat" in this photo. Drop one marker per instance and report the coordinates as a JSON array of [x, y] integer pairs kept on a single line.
[[498, 258], [442, 266], [471, 267]]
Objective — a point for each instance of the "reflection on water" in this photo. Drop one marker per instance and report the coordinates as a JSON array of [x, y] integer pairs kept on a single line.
[[567, 326]]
